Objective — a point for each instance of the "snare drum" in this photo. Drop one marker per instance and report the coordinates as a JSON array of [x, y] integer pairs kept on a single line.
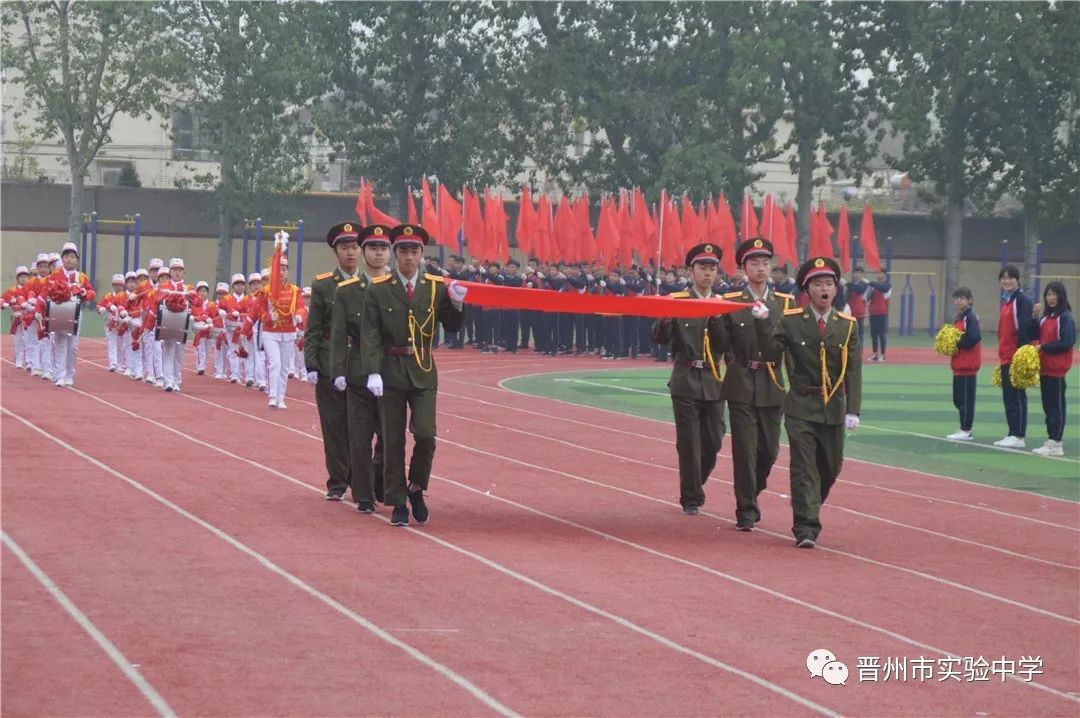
[[172, 326], [63, 317]]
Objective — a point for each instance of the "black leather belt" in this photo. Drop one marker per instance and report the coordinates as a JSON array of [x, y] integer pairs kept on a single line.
[[398, 351], [695, 364]]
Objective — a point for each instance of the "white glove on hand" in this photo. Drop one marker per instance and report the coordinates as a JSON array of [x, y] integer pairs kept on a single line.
[[282, 239], [313, 377], [339, 383], [589, 277], [602, 284], [760, 311], [235, 314], [374, 384], [457, 292], [222, 313], [123, 314], [100, 310], [851, 422], [297, 319]]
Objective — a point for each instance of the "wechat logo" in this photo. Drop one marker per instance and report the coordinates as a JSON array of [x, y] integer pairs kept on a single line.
[[823, 664]]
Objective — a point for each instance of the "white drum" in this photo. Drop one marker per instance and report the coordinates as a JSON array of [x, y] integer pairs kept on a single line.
[[172, 326], [63, 317]]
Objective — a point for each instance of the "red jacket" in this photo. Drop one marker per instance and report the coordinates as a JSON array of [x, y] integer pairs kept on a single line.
[[1057, 337], [968, 360]]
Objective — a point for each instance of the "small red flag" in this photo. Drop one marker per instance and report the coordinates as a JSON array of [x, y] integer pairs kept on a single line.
[[868, 239], [748, 223], [413, 219], [526, 224], [449, 219], [429, 218]]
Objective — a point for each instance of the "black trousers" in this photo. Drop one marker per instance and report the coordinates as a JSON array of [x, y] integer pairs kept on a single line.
[[878, 325], [1053, 401], [862, 327], [1016, 406], [963, 398]]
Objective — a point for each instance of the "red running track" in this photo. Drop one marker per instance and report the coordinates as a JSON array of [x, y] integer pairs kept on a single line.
[[553, 580]]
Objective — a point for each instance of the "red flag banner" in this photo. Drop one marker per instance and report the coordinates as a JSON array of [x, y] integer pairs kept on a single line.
[[727, 235], [429, 218], [413, 218], [361, 202], [526, 224], [868, 239], [449, 219], [748, 222], [499, 297]]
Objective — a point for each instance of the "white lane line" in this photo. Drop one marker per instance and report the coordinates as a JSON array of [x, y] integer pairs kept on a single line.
[[743, 582], [381, 633], [384, 635], [126, 667]]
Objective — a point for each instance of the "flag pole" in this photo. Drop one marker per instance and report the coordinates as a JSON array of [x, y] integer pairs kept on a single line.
[[660, 232]]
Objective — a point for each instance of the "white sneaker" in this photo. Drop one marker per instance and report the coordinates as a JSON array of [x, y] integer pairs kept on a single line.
[[1010, 442], [1050, 448], [281, 404], [35, 372], [961, 436], [273, 404], [48, 376], [262, 387], [59, 382], [69, 382]]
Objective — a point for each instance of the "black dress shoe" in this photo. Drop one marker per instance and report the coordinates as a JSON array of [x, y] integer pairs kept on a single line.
[[400, 517], [365, 507], [335, 495], [805, 542], [419, 508], [744, 525], [690, 509]]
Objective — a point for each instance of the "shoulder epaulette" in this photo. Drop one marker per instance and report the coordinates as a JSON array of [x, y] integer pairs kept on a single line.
[[434, 277], [347, 282], [679, 295], [793, 311], [324, 275], [845, 316], [380, 280], [785, 296], [732, 295]]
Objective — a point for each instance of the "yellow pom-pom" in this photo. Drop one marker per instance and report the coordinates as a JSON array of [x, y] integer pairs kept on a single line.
[[995, 378], [947, 341], [1024, 369]]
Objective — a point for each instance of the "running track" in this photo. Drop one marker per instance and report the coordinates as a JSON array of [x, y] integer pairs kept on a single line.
[[172, 553]]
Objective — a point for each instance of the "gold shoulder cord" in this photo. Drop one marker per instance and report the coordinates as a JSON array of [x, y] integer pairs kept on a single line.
[[426, 330], [709, 356], [826, 393]]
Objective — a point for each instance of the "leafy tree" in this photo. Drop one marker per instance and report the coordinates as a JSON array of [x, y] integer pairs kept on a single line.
[[253, 77], [81, 64]]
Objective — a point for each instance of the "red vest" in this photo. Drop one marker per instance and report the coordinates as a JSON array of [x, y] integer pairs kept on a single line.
[[1053, 364], [879, 304], [1007, 332], [857, 302], [967, 361]]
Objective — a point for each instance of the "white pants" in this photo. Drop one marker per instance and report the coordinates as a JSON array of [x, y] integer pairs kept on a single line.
[[256, 362], [200, 355], [159, 364], [45, 353], [172, 359], [279, 348], [300, 369], [111, 345], [134, 356], [22, 346], [221, 352], [65, 352]]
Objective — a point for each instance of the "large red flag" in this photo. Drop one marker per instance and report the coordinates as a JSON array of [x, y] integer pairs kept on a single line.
[[566, 231], [645, 231], [748, 223], [544, 250], [608, 238], [671, 245], [376, 215], [586, 243], [495, 245], [361, 202], [843, 238], [413, 219], [820, 234], [726, 223], [693, 231], [628, 230], [868, 239], [526, 224], [449, 219], [473, 223], [429, 218]]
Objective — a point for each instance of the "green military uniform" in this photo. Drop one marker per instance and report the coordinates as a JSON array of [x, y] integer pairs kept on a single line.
[[818, 401], [333, 409], [754, 391], [396, 344], [363, 406], [695, 387]]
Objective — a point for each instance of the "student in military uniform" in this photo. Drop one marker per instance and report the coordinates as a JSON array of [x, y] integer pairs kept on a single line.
[[333, 409], [753, 386], [366, 471], [820, 346], [400, 315], [695, 381]]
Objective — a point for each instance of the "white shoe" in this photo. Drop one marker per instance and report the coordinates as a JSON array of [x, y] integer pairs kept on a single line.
[[281, 404], [48, 376], [262, 387], [69, 382], [1010, 442], [961, 436], [1050, 448], [35, 372], [59, 382], [273, 404]]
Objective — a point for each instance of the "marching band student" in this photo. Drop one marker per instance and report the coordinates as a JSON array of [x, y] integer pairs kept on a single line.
[[213, 314], [176, 297], [231, 309], [254, 363], [278, 308], [14, 299], [202, 326], [965, 364], [74, 283], [133, 315], [41, 345], [1057, 337], [121, 301], [107, 307]]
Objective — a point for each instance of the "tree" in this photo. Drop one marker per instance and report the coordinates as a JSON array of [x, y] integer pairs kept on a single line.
[[940, 73], [129, 177], [253, 78], [1041, 109], [816, 53], [418, 88], [81, 65]]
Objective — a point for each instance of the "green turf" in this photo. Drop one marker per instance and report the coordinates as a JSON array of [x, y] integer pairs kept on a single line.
[[900, 403]]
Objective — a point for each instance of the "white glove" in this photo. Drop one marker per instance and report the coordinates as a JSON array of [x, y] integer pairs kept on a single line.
[[457, 292], [222, 313], [100, 310], [589, 277], [123, 314], [235, 314], [851, 421], [339, 383], [312, 377], [445, 273], [602, 284], [282, 239], [540, 275], [297, 319], [273, 315], [760, 311], [374, 384]]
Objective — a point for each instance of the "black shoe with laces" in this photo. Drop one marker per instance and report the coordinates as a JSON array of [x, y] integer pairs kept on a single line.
[[400, 517], [419, 508], [690, 509], [365, 507], [335, 495], [744, 525]]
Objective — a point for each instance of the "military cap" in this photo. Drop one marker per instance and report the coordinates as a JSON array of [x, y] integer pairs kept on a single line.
[[817, 267], [408, 234], [707, 252], [375, 234], [341, 232], [753, 247]]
